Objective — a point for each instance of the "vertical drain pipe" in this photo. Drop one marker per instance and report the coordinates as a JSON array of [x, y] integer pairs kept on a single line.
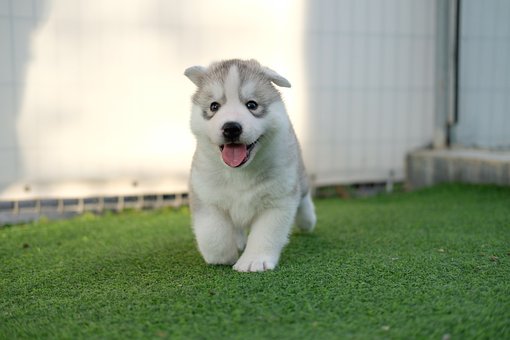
[[453, 78], [446, 71]]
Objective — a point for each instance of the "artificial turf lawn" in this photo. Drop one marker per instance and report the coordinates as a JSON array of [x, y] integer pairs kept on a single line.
[[429, 264]]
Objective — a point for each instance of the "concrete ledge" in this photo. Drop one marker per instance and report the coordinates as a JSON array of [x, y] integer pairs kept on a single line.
[[429, 167]]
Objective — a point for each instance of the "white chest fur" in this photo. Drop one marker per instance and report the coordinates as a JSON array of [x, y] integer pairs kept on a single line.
[[243, 194]]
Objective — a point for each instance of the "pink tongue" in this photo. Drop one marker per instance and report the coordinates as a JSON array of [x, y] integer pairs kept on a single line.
[[234, 154]]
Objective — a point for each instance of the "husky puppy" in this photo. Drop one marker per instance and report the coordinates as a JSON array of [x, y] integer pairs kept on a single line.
[[248, 183]]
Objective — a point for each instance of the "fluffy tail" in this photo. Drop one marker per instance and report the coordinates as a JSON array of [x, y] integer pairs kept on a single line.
[[305, 217]]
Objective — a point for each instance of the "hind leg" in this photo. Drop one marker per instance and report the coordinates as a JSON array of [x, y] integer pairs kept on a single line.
[[305, 217]]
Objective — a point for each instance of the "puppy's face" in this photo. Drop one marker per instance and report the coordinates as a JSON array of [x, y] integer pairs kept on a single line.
[[234, 107]]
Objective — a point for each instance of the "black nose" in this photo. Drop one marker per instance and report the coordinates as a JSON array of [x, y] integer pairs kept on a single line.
[[232, 130]]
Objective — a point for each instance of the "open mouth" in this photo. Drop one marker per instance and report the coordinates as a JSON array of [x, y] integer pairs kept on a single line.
[[236, 154]]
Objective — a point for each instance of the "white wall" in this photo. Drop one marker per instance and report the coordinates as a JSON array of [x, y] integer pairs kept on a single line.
[[92, 97], [370, 67], [484, 75], [93, 92]]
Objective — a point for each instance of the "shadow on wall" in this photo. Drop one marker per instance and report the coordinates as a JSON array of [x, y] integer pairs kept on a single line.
[[18, 20]]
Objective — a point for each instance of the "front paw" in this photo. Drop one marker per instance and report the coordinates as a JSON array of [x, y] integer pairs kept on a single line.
[[255, 263]]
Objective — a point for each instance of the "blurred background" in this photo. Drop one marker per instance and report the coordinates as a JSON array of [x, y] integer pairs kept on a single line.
[[93, 101]]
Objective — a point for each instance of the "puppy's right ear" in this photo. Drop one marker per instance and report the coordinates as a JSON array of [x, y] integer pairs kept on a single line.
[[195, 74]]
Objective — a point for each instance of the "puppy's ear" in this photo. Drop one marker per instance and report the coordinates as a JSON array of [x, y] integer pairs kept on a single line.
[[275, 77], [195, 74]]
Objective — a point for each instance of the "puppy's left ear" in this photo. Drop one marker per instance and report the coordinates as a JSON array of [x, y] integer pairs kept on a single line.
[[195, 74], [275, 77]]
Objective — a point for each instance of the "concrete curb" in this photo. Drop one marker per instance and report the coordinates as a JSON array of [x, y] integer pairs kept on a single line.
[[428, 167]]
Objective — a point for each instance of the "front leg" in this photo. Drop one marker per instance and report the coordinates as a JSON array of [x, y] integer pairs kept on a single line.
[[215, 235], [269, 234]]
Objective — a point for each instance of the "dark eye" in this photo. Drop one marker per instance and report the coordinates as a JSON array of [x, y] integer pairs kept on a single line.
[[251, 105], [214, 106]]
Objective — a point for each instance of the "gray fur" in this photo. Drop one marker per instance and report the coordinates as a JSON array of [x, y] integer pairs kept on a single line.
[[249, 71]]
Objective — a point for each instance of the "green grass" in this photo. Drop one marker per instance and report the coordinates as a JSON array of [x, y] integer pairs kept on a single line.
[[415, 265]]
